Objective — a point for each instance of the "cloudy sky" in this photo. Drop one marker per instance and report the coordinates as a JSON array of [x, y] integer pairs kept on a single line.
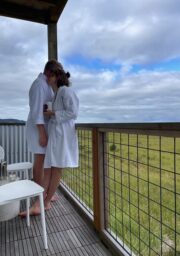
[[123, 56]]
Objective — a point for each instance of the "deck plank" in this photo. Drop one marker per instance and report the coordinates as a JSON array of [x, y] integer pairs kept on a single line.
[[68, 234]]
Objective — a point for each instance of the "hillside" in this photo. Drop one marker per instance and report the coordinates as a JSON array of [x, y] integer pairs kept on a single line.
[[11, 121]]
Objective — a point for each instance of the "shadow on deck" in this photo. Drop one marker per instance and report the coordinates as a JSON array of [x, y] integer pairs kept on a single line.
[[68, 234]]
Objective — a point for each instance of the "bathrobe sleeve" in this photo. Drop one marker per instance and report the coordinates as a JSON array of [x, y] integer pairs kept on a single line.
[[70, 105], [37, 101]]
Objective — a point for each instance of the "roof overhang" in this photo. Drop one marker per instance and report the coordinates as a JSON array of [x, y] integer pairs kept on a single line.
[[41, 11]]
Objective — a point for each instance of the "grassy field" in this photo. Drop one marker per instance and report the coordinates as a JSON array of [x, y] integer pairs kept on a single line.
[[142, 190]]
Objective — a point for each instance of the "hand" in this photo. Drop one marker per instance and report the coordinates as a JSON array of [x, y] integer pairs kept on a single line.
[[43, 140], [49, 113]]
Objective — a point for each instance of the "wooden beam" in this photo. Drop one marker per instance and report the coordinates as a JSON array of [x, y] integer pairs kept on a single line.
[[23, 12], [52, 41], [50, 2], [56, 11], [42, 11]]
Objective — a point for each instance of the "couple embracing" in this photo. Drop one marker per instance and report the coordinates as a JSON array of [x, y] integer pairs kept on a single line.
[[51, 135]]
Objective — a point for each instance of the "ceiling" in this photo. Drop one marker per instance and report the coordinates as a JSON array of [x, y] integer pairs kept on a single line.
[[41, 11]]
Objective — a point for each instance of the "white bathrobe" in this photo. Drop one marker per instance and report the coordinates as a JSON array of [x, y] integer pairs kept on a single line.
[[39, 94], [62, 148]]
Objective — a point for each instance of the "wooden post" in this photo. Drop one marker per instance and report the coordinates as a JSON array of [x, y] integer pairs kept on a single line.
[[52, 41], [98, 180]]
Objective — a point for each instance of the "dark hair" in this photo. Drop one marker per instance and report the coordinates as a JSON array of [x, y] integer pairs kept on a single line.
[[63, 78], [53, 66]]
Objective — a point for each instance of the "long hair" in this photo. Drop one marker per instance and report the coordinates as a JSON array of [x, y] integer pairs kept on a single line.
[[63, 78]]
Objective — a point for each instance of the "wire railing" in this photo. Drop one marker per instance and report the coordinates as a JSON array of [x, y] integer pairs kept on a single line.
[[142, 190], [128, 181], [139, 185], [79, 181]]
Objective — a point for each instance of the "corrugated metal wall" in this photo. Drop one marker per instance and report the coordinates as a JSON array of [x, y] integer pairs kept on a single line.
[[13, 140]]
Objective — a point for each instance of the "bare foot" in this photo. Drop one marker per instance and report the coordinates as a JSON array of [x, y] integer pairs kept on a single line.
[[33, 211], [47, 206], [54, 198]]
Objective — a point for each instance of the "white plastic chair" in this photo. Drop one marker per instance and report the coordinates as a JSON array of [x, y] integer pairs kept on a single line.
[[21, 168], [24, 189]]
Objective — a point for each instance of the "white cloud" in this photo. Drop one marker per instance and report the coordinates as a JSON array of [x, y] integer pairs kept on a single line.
[[145, 96], [121, 33], [131, 31]]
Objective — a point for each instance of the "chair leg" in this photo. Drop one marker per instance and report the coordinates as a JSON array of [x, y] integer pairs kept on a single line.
[[43, 220], [31, 174], [27, 211], [26, 174], [20, 175]]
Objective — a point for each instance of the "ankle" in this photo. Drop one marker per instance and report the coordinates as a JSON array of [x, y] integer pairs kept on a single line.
[[46, 202]]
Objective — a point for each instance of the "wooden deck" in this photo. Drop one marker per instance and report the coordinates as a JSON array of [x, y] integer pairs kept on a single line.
[[68, 234]]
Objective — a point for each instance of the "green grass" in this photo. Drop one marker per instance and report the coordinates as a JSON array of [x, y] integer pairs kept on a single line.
[[143, 178]]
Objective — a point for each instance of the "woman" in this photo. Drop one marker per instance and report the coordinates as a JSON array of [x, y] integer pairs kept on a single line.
[[62, 147]]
